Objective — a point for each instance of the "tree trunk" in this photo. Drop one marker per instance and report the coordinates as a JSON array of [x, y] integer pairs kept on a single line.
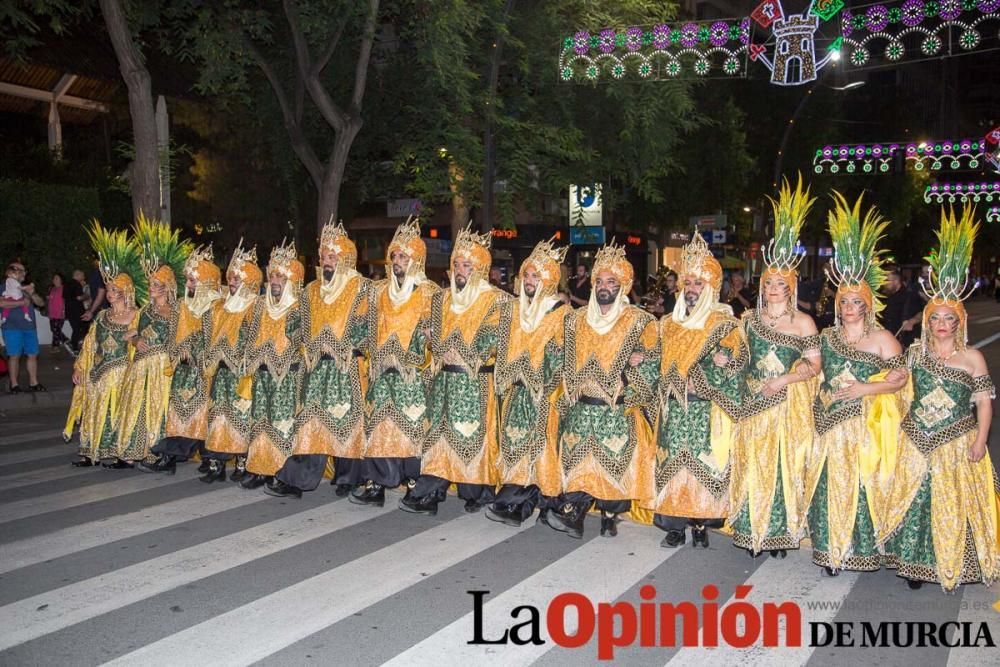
[[145, 179], [329, 194], [489, 140]]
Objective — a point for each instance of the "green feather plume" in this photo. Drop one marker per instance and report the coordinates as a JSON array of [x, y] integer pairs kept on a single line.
[[790, 212], [119, 253], [161, 246], [855, 239], [950, 264]]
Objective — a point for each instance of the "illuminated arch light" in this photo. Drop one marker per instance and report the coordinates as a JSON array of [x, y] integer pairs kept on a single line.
[[935, 156], [962, 193], [660, 51], [931, 20]]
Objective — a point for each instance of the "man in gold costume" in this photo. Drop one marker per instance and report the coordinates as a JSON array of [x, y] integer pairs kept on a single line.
[[396, 402], [331, 420], [461, 444], [610, 354], [229, 411], [273, 358], [698, 394], [528, 375]]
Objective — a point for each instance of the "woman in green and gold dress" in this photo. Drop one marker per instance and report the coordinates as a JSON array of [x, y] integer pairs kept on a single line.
[[858, 408], [767, 498], [100, 368], [941, 513], [147, 380]]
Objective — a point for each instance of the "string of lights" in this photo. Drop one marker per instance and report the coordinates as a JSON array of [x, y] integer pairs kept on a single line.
[[954, 155], [962, 192]]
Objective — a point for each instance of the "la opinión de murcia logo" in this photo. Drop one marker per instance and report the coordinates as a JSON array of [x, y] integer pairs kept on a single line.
[[738, 624]]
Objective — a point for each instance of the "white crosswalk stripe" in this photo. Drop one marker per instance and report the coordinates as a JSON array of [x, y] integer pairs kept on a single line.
[[109, 529], [33, 436], [272, 622], [38, 452], [50, 474], [62, 607], [23, 509]]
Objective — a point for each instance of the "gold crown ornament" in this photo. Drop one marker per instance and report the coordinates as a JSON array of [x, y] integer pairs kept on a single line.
[[406, 239], [244, 265], [285, 261], [546, 259], [612, 258], [200, 265], [697, 260], [475, 248], [334, 237]]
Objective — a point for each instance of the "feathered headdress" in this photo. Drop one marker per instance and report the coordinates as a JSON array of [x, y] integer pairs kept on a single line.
[[857, 262], [163, 252], [120, 262], [790, 211], [949, 275], [948, 281], [547, 259]]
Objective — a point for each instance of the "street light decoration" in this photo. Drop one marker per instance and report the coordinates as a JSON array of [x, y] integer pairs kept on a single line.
[[944, 155], [931, 27], [962, 192]]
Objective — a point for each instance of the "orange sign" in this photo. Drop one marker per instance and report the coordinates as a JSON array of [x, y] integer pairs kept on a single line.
[[633, 240], [504, 233]]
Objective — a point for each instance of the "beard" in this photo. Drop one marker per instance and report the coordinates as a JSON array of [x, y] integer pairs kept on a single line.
[[606, 297], [398, 271], [233, 288], [276, 291], [328, 273], [190, 292], [461, 282], [530, 290], [690, 299]]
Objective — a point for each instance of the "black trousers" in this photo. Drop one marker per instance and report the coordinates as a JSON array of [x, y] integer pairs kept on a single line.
[[429, 485], [179, 446], [391, 471], [679, 523], [525, 499], [583, 500], [305, 471]]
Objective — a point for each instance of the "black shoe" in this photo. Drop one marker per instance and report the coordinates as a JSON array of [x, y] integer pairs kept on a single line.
[[507, 516], [699, 536], [252, 481], [427, 505], [14, 389], [206, 465], [830, 572], [673, 539], [37, 387], [117, 465], [369, 494], [216, 472], [279, 489], [568, 520], [914, 584], [471, 507], [83, 463], [609, 525], [543, 518], [778, 553], [241, 469], [342, 489]]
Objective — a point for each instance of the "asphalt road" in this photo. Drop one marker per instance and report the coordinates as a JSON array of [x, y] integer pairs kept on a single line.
[[99, 566]]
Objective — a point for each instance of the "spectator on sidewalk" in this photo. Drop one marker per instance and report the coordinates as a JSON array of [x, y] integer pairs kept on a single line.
[[97, 291], [56, 311], [19, 334], [73, 297]]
